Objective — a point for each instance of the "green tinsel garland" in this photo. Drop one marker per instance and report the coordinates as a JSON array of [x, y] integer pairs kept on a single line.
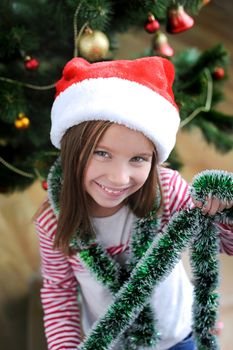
[[187, 228], [104, 268]]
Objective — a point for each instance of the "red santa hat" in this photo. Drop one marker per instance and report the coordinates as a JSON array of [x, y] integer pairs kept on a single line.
[[135, 93]]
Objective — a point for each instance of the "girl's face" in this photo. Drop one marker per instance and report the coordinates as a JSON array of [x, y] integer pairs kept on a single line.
[[119, 166]]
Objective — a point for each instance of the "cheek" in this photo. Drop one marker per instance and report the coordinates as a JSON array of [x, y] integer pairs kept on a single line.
[[143, 174], [92, 171]]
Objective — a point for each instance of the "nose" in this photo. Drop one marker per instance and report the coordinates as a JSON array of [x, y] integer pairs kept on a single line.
[[119, 175]]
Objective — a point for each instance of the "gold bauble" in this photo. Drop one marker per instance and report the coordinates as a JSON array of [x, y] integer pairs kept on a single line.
[[18, 124], [22, 122], [93, 45], [26, 122]]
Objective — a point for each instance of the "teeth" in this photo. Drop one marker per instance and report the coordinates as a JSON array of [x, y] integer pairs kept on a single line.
[[110, 191]]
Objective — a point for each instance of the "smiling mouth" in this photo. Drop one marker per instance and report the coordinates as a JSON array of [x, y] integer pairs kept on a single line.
[[111, 191]]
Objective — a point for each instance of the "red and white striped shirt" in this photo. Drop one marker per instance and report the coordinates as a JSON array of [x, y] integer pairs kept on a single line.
[[63, 276]]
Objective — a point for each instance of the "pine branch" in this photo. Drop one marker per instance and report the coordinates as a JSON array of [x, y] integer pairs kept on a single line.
[[213, 135], [222, 121]]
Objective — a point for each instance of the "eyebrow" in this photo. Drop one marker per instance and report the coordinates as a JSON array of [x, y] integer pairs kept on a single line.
[[145, 154]]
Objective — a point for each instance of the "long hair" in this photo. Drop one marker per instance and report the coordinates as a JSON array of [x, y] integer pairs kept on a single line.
[[77, 147]]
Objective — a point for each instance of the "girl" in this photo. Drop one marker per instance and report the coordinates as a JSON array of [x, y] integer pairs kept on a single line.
[[115, 123]]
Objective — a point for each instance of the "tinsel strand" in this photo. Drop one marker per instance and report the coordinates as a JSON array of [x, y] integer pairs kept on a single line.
[[143, 332], [134, 294], [205, 269], [182, 229], [106, 270]]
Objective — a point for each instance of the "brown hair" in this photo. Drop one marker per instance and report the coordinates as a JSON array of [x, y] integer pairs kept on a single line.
[[77, 147]]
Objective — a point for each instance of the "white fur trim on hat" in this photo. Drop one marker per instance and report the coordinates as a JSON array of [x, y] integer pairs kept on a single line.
[[118, 100]]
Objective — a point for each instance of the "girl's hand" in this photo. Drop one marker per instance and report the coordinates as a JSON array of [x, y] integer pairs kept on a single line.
[[218, 329], [212, 205]]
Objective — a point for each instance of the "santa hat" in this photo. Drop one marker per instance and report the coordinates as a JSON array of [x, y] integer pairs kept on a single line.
[[135, 93]]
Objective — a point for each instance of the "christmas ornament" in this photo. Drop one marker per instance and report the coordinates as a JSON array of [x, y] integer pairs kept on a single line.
[[22, 121], [187, 228], [152, 25], [31, 63], [178, 20], [161, 46], [93, 45], [44, 185], [205, 2], [219, 73]]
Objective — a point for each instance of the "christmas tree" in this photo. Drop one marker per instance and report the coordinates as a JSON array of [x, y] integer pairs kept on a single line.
[[37, 39]]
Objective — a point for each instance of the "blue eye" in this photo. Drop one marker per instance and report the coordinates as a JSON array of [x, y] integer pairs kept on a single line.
[[139, 159], [103, 154]]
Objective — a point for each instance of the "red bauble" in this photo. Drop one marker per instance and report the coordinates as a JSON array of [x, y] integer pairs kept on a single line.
[[44, 185], [178, 20], [219, 73], [161, 45], [152, 25], [31, 63]]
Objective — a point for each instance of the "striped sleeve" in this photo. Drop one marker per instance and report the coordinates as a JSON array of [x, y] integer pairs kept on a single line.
[[175, 192], [176, 197], [226, 239], [59, 291]]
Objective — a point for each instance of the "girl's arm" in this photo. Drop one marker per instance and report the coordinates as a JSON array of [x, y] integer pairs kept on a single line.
[[178, 198], [58, 294]]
